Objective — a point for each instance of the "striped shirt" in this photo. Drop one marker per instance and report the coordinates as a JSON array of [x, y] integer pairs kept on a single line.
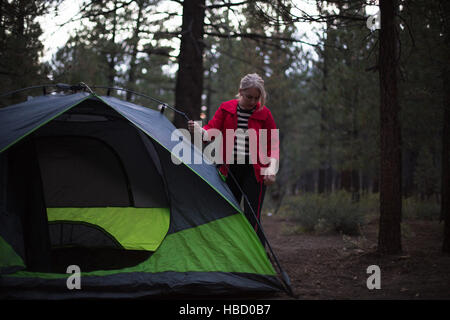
[[241, 145]]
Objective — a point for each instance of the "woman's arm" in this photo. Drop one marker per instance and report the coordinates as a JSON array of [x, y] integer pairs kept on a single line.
[[273, 150], [215, 123]]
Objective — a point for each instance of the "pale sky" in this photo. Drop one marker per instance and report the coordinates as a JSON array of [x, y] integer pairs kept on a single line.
[[55, 37]]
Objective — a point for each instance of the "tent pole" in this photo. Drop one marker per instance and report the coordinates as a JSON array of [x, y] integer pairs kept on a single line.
[[284, 276]]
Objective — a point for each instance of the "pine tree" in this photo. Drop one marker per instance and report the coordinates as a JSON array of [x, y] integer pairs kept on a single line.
[[118, 48], [389, 238], [20, 47]]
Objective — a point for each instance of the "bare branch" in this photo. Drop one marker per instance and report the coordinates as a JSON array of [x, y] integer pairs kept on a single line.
[[257, 36], [159, 52], [84, 12], [177, 1], [228, 5]]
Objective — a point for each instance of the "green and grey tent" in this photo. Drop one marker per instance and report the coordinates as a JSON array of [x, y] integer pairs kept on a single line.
[[89, 180]]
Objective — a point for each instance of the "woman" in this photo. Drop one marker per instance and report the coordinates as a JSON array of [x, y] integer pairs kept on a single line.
[[252, 167]]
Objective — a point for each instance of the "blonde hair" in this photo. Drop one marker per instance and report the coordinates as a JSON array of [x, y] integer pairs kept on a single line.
[[253, 80]]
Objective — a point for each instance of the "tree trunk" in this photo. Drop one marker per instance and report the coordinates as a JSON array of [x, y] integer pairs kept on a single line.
[[355, 185], [409, 164], [209, 94], [445, 191], [389, 237], [329, 178], [365, 183], [134, 50], [189, 83], [346, 180], [308, 184], [321, 180], [355, 171], [322, 108], [337, 181], [375, 184], [112, 57], [2, 25], [445, 196]]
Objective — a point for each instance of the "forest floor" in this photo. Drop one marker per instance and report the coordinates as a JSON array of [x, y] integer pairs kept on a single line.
[[325, 267]]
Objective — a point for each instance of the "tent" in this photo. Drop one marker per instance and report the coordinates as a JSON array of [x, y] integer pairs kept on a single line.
[[89, 181]]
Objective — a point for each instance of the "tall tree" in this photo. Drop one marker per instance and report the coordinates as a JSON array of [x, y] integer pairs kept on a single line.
[[344, 96], [445, 193], [190, 73], [98, 40], [134, 47], [189, 82], [323, 146], [78, 61], [389, 237], [20, 47], [118, 48], [421, 96]]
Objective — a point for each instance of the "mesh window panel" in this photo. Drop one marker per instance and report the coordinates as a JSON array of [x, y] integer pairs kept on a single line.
[[81, 172]]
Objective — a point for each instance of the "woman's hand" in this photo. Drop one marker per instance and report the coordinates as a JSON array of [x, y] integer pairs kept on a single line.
[[193, 126], [269, 179]]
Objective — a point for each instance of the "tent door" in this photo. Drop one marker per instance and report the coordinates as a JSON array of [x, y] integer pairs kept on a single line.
[[25, 199]]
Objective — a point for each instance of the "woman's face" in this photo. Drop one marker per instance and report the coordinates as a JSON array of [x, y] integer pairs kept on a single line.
[[249, 98]]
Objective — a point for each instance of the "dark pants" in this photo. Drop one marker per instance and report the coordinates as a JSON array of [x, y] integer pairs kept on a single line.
[[255, 191]]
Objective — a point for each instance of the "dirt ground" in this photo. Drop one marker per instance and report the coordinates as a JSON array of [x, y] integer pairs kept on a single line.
[[323, 267]]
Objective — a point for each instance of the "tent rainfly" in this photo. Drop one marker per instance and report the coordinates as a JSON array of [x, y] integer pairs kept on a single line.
[[88, 181]]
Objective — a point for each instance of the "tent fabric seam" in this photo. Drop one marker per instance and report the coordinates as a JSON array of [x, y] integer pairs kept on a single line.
[[237, 208], [43, 124]]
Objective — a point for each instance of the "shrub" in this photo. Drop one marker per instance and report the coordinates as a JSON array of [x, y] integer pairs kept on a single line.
[[336, 212], [326, 213], [413, 208]]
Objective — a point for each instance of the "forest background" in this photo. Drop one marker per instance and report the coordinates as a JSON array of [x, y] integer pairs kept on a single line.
[[363, 112]]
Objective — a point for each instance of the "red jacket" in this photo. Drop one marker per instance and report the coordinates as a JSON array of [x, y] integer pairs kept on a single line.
[[226, 118]]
